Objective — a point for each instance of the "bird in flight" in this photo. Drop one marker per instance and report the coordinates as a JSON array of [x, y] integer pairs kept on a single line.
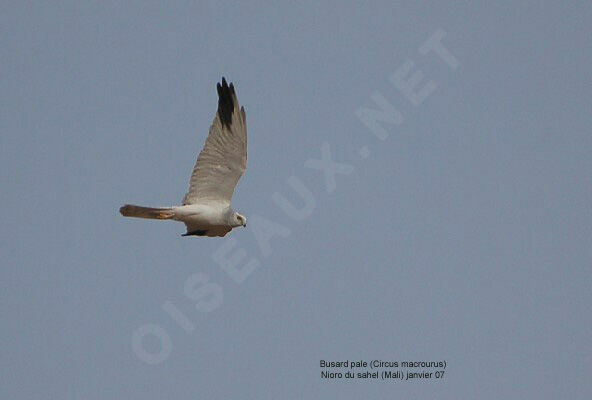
[[206, 208]]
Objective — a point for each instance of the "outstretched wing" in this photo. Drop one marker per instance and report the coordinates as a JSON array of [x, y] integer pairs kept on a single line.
[[223, 159]]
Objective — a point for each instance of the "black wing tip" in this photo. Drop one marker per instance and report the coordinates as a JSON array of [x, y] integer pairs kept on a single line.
[[226, 99], [196, 233]]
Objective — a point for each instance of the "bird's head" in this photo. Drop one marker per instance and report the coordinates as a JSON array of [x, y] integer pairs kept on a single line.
[[240, 220]]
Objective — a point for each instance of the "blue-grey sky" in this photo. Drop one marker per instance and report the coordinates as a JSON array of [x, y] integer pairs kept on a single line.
[[463, 233]]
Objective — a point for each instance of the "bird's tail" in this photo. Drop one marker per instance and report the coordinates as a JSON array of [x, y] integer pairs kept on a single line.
[[130, 210]]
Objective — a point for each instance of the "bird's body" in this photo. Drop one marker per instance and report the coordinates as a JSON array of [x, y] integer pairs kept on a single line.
[[206, 209], [206, 219]]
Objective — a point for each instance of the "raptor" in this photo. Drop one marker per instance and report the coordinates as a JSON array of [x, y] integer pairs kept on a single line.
[[206, 209]]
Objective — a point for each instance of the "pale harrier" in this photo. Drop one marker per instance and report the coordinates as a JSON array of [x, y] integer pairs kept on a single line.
[[206, 209]]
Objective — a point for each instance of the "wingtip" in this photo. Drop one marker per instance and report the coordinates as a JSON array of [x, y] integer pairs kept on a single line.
[[226, 100], [225, 85]]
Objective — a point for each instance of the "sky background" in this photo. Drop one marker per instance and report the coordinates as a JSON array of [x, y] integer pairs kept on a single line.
[[464, 236]]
